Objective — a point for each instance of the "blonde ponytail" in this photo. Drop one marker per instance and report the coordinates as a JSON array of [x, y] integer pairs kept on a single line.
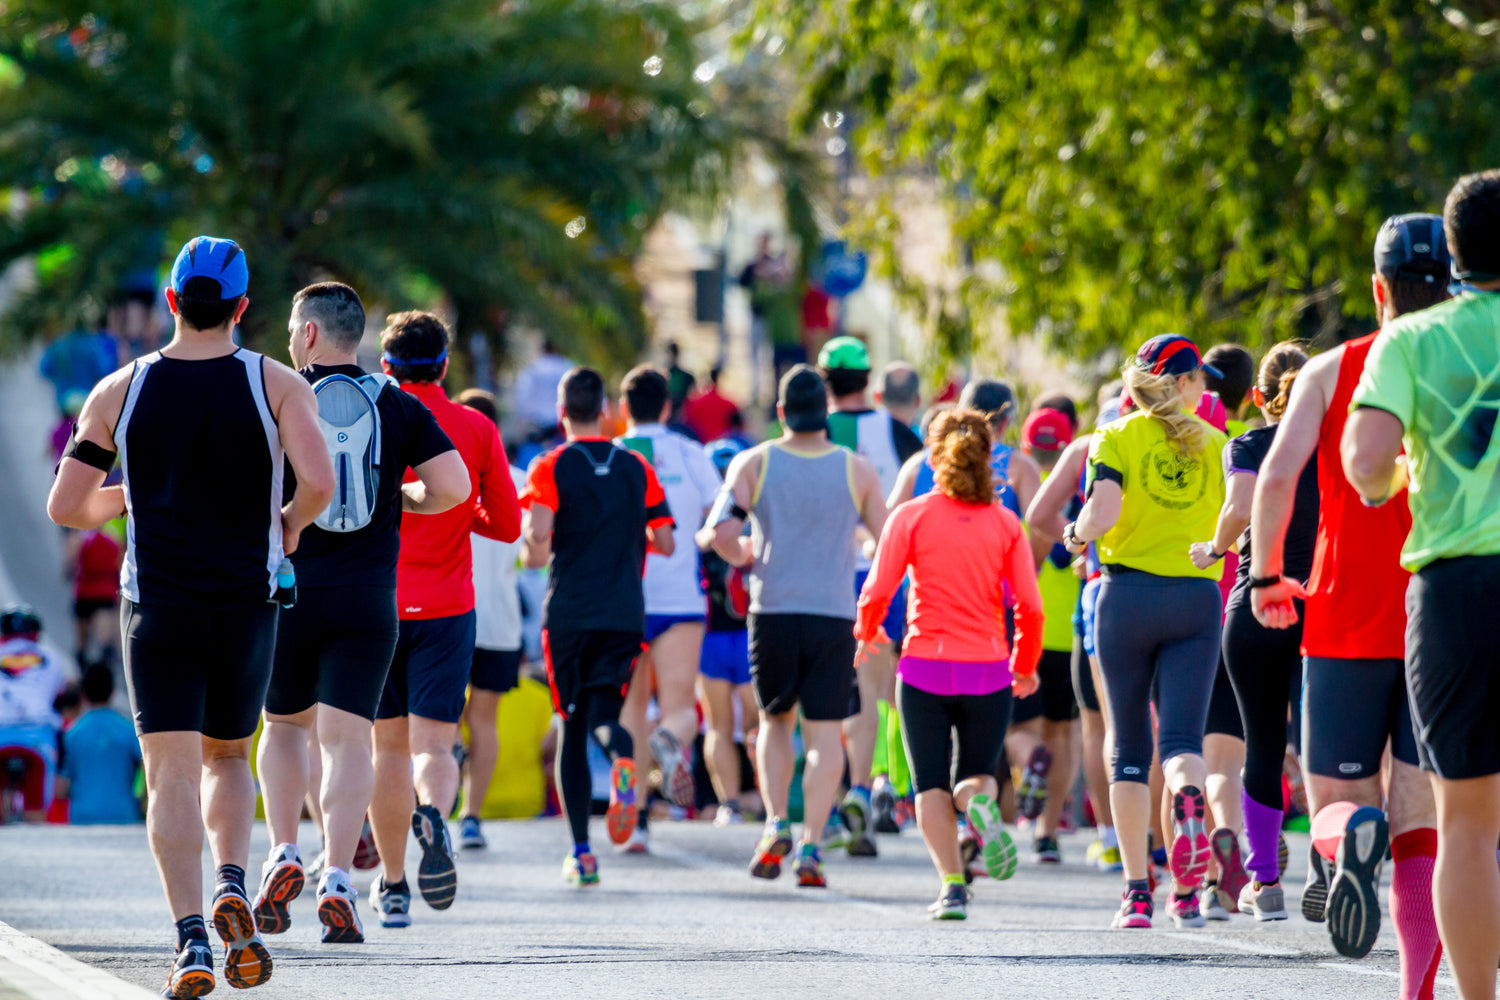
[[1157, 395]]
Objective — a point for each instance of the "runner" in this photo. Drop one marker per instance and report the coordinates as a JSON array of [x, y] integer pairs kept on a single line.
[[1153, 489], [334, 647], [1427, 380], [1355, 697], [1264, 665], [965, 553], [887, 442], [674, 596], [1234, 384], [803, 498], [593, 509], [497, 648], [200, 428], [416, 723], [31, 678]]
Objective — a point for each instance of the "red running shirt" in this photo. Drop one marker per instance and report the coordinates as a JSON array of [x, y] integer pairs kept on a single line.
[[1356, 600], [435, 573]]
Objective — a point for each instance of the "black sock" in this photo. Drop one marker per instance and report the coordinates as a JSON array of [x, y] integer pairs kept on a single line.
[[397, 886], [190, 928], [645, 819], [1137, 885], [233, 874]]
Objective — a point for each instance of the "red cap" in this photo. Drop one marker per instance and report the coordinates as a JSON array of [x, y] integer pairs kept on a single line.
[[1046, 430]]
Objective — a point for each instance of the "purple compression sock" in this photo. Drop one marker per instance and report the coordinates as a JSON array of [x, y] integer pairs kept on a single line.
[[1262, 827]]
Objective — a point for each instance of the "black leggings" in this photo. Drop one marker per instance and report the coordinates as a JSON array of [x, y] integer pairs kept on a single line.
[[596, 713], [1265, 667], [931, 724], [1162, 630]]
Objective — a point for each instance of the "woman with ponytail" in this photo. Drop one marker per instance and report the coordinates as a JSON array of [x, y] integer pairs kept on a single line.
[[1265, 665], [956, 671], [1153, 489]]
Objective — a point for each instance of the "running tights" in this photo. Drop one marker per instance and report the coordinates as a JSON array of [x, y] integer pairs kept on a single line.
[[1265, 667], [597, 714], [951, 737]]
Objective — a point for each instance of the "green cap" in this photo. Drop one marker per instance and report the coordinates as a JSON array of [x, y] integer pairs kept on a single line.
[[844, 352]]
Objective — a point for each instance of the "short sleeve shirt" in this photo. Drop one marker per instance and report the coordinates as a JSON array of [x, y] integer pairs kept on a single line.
[[1169, 499], [690, 482], [1438, 372]]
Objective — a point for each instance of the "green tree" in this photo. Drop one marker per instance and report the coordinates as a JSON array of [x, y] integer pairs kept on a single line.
[[507, 157], [1134, 166]]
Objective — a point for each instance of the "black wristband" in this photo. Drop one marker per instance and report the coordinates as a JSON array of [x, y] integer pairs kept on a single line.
[[1259, 582], [1216, 553]]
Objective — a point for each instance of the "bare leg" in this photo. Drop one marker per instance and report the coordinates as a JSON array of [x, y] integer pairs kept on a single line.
[[394, 800], [939, 826], [349, 782], [482, 713], [434, 768], [1466, 882], [820, 776], [283, 767], [1130, 803], [1059, 738], [776, 761], [633, 718], [174, 825], [228, 795], [718, 743], [314, 775], [674, 656], [873, 677], [1225, 758]]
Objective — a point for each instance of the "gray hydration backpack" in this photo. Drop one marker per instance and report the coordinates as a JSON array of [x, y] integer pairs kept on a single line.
[[350, 423]]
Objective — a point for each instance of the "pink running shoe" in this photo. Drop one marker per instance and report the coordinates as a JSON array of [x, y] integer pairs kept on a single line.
[[1135, 911], [1188, 857]]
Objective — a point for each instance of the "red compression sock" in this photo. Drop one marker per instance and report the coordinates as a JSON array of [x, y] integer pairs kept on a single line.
[[1414, 853]]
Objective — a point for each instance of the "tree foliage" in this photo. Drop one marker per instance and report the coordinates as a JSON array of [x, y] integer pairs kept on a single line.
[[1216, 167], [505, 156]]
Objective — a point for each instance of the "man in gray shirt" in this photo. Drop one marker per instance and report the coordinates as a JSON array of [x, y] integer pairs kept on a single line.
[[803, 497]]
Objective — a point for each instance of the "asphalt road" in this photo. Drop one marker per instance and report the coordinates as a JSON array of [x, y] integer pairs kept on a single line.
[[689, 921]]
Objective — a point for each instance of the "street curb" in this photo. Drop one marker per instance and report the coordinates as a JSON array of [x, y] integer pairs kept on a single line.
[[36, 970]]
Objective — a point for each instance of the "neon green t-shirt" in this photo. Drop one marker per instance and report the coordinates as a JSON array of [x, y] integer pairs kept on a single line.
[[1170, 500], [1234, 428], [1438, 372], [1059, 586]]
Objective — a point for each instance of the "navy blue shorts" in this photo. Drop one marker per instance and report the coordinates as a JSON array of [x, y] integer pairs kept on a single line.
[[656, 625], [895, 615], [726, 656], [430, 671], [497, 670]]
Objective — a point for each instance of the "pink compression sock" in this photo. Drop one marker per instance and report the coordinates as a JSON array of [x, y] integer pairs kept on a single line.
[[1328, 827], [1414, 853]]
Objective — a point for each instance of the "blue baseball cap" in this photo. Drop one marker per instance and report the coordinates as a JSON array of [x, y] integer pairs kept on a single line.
[[1172, 354], [212, 257]]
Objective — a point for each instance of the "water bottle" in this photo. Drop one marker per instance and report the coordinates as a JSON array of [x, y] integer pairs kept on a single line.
[[286, 584]]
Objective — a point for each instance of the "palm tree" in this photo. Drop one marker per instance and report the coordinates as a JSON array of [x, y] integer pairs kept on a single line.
[[502, 155]]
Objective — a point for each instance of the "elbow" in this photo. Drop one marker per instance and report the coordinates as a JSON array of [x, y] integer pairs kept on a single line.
[[63, 515], [317, 489], [1364, 473]]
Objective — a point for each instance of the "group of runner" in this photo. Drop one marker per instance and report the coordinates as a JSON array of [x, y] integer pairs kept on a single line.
[[926, 611]]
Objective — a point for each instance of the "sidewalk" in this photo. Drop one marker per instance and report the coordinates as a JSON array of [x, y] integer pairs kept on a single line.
[[35, 971]]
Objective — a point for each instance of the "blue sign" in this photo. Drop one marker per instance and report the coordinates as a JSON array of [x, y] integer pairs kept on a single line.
[[843, 272]]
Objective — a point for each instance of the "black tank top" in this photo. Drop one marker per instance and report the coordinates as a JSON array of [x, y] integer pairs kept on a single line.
[[203, 464]]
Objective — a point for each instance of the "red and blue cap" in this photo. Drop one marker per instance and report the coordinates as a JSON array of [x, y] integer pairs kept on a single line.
[[1172, 354], [216, 258]]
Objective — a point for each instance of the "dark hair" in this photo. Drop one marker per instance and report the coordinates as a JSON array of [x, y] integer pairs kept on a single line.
[[1062, 403], [201, 305], [1471, 223], [1237, 374], [958, 444], [68, 698], [581, 395], [481, 400], [415, 335], [714, 373], [1278, 370], [900, 384], [990, 396], [933, 412], [336, 309], [673, 351], [845, 381], [1412, 291], [646, 393], [99, 684]]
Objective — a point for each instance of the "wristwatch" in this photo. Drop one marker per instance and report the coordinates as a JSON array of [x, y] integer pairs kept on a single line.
[[1070, 534], [1259, 582]]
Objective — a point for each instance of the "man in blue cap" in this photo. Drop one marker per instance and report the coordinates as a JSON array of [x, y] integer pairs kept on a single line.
[[201, 429]]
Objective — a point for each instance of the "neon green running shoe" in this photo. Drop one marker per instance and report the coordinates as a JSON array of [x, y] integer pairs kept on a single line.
[[998, 850]]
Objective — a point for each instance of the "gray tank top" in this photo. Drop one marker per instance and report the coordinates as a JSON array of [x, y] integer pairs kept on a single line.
[[802, 521]]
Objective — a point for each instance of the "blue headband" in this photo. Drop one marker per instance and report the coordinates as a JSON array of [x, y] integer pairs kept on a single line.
[[391, 359]]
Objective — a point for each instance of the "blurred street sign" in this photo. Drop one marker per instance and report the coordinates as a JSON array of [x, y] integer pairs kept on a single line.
[[843, 271]]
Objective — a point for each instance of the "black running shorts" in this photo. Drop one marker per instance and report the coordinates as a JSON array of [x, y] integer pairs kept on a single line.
[[1223, 710], [1083, 677], [334, 648], [1453, 666], [1054, 699], [805, 660], [430, 670], [951, 737], [497, 670], [198, 670], [1350, 709], [586, 660]]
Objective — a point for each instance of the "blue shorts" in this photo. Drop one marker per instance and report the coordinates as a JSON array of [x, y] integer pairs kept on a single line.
[[430, 671], [726, 656], [656, 625], [1090, 608], [895, 615]]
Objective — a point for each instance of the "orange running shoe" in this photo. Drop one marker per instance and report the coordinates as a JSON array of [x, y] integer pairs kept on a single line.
[[622, 816]]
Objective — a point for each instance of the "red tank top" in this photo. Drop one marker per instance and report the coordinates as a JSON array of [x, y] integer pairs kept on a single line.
[[1356, 601]]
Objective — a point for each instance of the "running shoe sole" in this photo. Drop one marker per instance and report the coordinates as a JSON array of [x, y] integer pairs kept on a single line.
[[1031, 796], [767, 863], [1233, 878], [1315, 893], [1188, 858], [996, 847], [575, 876], [193, 981], [1283, 856], [621, 816], [340, 924], [247, 963], [810, 876], [949, 913], [676, 768], [1353, 902], [857, 821], [273, 913], [437, 875]]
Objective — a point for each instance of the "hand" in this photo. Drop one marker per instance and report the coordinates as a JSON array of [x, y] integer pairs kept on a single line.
[[1024, 685], [290, 536], [1273, 606], [871, 648], [1081, 568], [1070, 540], [1202, 554]]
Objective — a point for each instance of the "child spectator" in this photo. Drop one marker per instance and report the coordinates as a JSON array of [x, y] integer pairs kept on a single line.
[[100, 757]]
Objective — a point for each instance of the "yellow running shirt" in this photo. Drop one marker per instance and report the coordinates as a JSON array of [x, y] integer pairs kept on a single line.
[[1059, 586], [1170, 500]]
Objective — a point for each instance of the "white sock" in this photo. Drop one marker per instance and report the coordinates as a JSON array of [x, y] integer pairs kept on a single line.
[[1108, 837]]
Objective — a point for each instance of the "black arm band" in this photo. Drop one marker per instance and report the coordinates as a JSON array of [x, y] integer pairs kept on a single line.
[[1259, 582], [89, 453]]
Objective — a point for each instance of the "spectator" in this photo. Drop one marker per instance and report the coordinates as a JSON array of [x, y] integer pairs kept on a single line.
[[680, 382], [709, 413], [774, 312], [100, 757], [77, 360], [30, 682], [536, 391], [900, 392]]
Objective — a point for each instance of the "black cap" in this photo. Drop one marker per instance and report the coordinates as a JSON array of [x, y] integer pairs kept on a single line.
[[1413, 243], [989, 396], [803, 397]]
